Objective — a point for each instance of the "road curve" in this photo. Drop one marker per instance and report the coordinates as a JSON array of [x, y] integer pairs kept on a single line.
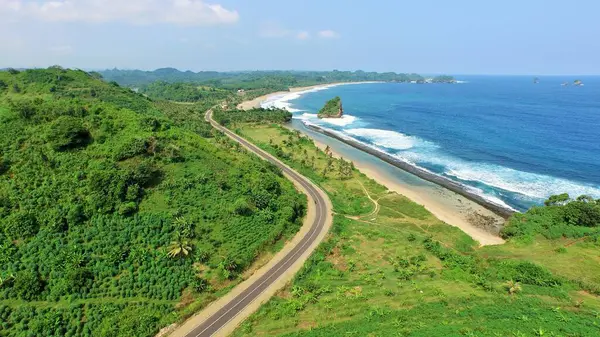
[[222, 316]]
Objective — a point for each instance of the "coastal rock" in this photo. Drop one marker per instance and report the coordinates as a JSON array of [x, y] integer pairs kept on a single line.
[[332, 109]]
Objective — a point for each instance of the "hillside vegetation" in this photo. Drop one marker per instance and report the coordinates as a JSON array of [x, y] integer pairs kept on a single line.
[[276, 80], [119, 214]]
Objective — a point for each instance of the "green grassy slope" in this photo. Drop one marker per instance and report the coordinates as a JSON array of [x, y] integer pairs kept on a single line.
[[389, 268], [96, 183]]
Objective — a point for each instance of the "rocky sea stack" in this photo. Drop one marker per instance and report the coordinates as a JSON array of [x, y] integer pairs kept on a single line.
[[332, 109]]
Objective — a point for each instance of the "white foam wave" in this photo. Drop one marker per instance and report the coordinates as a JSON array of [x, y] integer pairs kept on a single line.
[[282, 101], [306, 116], [529, 184], [342, 121], [386, 138]]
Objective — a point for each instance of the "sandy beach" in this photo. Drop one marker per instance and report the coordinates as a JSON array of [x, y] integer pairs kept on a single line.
[[456, 210], [255, 103], [446, 205]]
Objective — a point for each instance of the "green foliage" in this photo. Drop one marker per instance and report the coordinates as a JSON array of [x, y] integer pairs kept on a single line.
[[443, 79], [557, 200], [28, 285], [331, 108], [183, 92], [95, 180], [20, 225], [66, 133], [272, 115], [271, 80], [561, 217]]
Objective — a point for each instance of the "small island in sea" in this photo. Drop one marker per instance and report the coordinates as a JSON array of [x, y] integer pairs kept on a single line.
[[332, 109]]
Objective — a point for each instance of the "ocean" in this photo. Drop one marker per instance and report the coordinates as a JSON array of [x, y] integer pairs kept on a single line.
[[505, 138]]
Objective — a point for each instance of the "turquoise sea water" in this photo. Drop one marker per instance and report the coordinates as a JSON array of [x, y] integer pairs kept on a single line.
[[506, 138]]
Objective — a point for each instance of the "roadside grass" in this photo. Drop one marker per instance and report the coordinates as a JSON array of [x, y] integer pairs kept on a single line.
[[397, 270]]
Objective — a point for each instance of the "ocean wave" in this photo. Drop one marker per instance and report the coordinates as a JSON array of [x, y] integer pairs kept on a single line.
[[403, 157], [305, 116], [388, 139], [282, 101], [343, 121], [422, 154], [533, 185]]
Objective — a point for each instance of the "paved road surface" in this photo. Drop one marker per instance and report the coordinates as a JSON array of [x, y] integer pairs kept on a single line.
[[229, 311]]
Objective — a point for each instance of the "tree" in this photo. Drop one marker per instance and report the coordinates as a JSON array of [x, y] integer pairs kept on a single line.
[[557, 200], [180, 247], [28, 285], [67, 133], [512, 287], [582, 212], [184, 227], [21, 225]]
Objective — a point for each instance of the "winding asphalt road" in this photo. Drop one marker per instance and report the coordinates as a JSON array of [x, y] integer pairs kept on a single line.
[[237, 304]]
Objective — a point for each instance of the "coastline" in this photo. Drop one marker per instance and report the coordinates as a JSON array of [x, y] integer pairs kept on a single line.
[[477, 221], [447, 206], [256, 102], [423, 174]]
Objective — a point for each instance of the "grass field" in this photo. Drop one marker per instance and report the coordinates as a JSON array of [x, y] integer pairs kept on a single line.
[[389, 268]]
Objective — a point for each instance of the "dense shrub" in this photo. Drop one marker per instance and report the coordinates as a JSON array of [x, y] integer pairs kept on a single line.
[[28, 285], [97, 178], [561, 217], [67, 133]]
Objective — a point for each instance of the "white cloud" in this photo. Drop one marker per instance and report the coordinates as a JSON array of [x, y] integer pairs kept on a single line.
[[178, 12], [303, 35], [328, 34]]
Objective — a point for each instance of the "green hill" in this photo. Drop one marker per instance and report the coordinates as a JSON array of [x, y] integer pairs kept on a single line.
[[98, 185], [332, 109]]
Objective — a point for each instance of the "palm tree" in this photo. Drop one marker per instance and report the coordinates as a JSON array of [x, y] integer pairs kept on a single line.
[[179, 247], [513, 287]]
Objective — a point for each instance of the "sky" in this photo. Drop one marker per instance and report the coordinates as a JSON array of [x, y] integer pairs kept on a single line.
[[533, 37]]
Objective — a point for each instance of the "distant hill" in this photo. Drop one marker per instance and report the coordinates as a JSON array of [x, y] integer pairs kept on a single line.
[[251, 79]]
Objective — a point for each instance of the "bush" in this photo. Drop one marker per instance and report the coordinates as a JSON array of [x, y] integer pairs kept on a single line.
[[561, 217], [28, 285], [68, 133], [21, 225], [528, 273], [132, 148]]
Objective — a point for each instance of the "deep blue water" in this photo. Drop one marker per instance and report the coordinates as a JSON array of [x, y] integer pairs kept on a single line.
[[509, 139]]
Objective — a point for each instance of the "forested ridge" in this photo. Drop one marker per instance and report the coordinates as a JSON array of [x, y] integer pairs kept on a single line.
[[273, 79], [117, 212]]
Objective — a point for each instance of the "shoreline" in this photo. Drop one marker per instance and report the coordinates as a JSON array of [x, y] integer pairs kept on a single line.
[[445, 204], [421, 173], [256, 102]]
